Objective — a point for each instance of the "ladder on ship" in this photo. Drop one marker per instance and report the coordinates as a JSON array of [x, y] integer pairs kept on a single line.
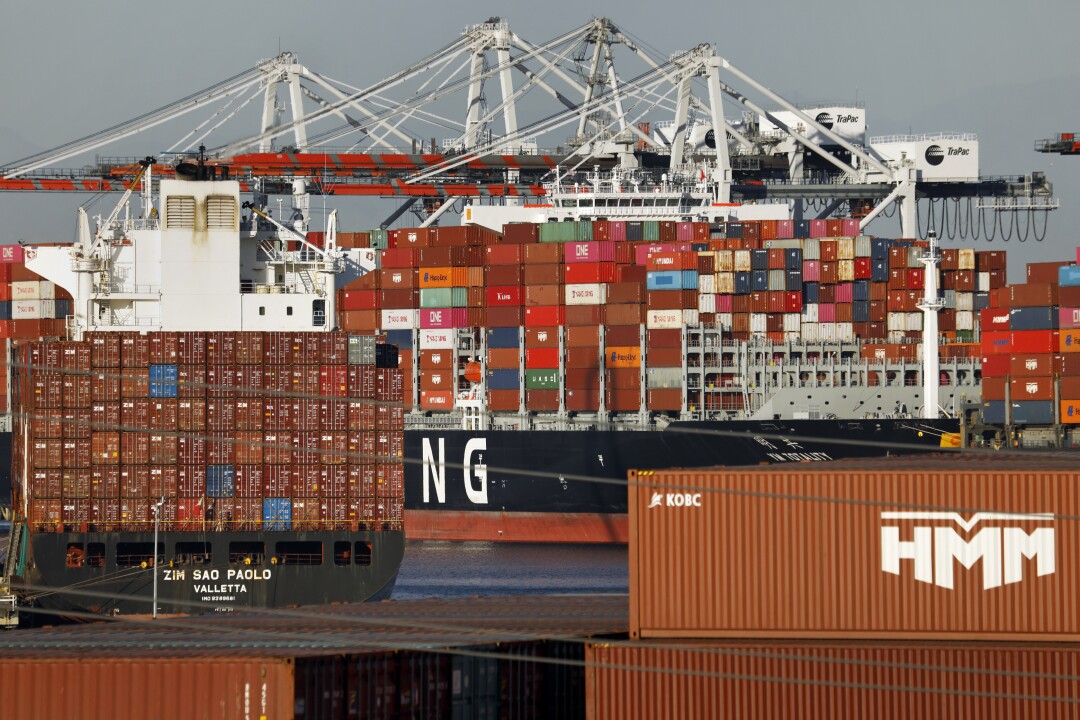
[[9, 603]]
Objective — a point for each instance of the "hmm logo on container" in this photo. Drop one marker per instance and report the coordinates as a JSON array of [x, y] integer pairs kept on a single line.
[[675, 500], [935, 548]]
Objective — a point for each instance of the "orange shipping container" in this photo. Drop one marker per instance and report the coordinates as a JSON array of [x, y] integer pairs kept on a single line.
[[886, 681], [858, 549]]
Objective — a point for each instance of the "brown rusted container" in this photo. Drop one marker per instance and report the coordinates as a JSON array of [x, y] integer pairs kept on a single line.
[[625, 314], [886, 680], [227, 687], [583, 336], [940, 547], [543, 273]]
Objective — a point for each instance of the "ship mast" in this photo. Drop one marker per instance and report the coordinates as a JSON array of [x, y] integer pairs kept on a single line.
[[930, 305]]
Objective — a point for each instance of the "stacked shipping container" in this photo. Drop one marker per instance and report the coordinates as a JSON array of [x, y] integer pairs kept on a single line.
[[1031, 349], [609, 301], [237, 430], [831, 588]]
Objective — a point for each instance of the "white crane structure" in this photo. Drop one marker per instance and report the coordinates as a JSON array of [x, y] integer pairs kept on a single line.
[[590, 97]]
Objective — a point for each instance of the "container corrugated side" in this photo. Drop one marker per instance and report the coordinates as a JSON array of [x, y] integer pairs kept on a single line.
[[118, 689], [764, 679], [798, 552]]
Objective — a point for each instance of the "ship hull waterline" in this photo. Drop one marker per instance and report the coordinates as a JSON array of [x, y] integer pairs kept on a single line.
[[570, 486]]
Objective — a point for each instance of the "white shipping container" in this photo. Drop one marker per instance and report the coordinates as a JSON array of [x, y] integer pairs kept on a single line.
[[586, 294], [690, 317], [742, 261], [724, 320], [845, 271], [725, 261], [437, 339], [404, 319], [967, 259], [810, 313], [965, 320], [811, 332], [948, 298], [845, 331], [828, 331], [913, 255], [706, 283], [777, 280], [784, 244], [896, 336], [913, 321], [26, 290], [811, 249], [32, 309], [706, 303], [862, 246], [965, 301], [792, 322], [896, 322], [983, 282], [758, 323], [725, 283], [845, 248], [792, 337], [663, 319], [662, 378]]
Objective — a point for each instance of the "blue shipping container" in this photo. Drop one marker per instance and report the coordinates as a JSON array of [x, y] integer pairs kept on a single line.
[[810, 292], [793, 280], [860, 311], [503, 337], [982, 301], [502, 380], [277, 514], [742, 283], [1069, 275], [699, 247], [220, 481], [163, 382], [5, 310], [793, 258], [759, 259], [861, 292], [879, 249], [759, 281], [402, 338], [879, 270], [802, 228], [1034, 318], [671, 280], [1033, 412], [63, 307], [734, 230], [993, 412]]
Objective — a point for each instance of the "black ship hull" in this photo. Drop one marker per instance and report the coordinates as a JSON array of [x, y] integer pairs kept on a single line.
[[112, 573], [558, 486]]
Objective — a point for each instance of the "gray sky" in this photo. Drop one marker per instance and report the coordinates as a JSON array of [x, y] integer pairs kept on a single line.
[[1009, 72]]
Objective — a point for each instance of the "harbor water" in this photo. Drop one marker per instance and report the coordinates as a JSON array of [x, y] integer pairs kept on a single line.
[[460, 569]]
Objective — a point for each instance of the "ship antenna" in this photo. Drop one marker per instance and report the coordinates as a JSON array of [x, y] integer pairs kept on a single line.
[[930, 305]]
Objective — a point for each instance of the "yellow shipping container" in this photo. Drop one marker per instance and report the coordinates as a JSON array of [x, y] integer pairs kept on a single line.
[[626, 356]]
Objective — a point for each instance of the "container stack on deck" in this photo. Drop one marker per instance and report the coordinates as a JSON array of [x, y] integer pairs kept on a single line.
[[830, 589], [1031, 348], [604, 304], [237, 430]]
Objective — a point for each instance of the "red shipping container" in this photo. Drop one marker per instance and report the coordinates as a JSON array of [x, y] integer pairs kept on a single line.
[[505, 254], [589, 272], [504, 274], [577, 315], [504, 295], [437, 399], [1033, 341], [542, 400], [995, 366], [543, 274], [104, 481], [541, 358], [541, 337], [545, 316], [401, 257], [1031, 388]]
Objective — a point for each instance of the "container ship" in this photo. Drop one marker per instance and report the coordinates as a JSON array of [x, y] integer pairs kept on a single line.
[[205, 440], [543, 359]]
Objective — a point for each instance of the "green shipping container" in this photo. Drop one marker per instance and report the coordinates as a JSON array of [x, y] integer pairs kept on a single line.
[[436, 297], [651, 230], [459, 297], [965, 336], [541, 379], [380, 239], [584, 231]]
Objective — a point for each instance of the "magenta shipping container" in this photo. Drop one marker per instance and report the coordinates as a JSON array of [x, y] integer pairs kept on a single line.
[[443, 318], [582, 252]]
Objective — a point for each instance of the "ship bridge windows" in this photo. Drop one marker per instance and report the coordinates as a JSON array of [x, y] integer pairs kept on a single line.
[[194, 553], [180, 212], [221, 212], [298, 552], [247, 553], [139, 554]]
